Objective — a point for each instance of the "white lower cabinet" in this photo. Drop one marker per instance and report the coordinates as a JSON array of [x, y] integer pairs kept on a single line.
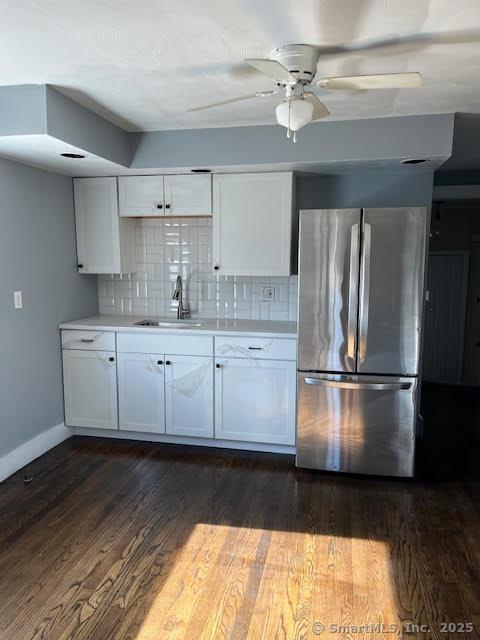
[[189, 395], [255, 400], [141, 394], [90, 388], [249, 397]]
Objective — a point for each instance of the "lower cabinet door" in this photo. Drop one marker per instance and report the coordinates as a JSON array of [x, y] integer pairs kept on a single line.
[[141, 393], [255, 400], [189, 395], [90, 388]]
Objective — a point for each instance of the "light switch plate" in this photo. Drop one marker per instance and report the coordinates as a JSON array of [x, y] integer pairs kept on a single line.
[[268, 294], [17, 299]]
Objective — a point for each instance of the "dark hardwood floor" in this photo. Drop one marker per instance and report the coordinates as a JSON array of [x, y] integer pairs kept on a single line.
[[115, 540]]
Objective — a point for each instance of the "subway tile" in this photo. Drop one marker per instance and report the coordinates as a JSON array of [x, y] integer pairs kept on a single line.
[[282, 292], [292, 312], [167, 247], [140, 253]]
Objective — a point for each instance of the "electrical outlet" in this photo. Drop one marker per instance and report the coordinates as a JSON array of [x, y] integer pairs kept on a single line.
[[268, 294], [17, 300]]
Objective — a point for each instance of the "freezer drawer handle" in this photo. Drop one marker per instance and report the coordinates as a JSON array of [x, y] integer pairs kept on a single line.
[[369, 386]]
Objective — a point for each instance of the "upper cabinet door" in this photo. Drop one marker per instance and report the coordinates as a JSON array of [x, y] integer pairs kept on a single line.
[[391, 290], [252, 221], [97, 224], [188, 195], [141, 196]]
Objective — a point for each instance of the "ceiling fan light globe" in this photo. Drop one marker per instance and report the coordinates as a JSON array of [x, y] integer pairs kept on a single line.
[[294, 113]]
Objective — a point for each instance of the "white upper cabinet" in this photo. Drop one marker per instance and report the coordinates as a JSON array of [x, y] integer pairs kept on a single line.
[[140, 196], [179, 195], [252, 224], [105, 243], [188, 195]]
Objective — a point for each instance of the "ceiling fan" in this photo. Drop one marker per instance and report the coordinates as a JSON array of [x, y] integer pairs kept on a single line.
[[294, 68]]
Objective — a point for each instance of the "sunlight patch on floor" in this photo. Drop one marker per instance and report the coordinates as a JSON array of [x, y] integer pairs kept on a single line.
[[281, 581]]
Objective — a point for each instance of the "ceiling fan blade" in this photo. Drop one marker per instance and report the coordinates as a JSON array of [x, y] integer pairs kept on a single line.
[[272, 69], [258, 94], [319, 109], [376, 81], [422, 38]]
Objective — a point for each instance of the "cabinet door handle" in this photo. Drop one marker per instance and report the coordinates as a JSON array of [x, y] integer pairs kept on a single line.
[[111, 359], [216, 267], [168, 362], [159, 361], [80, 266], [218, 365], [167, 206], [159, 206]]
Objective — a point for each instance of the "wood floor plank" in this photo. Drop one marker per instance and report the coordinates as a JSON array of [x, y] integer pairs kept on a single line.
[[136, 541]]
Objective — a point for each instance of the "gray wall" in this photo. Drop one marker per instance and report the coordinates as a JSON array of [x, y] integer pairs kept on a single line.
[[37, 256], [377, 189]]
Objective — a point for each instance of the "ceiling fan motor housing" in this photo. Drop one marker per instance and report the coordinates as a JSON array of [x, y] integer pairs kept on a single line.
[[300, 59]]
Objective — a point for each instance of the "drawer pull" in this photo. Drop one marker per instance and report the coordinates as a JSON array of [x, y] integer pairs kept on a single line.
[[87, 339], [256, 348], [111, 359]]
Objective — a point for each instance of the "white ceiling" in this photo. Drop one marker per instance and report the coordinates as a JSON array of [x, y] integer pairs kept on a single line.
[[142, 63]]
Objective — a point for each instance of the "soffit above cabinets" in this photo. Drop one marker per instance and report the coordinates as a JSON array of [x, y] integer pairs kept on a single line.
[[49, 124]]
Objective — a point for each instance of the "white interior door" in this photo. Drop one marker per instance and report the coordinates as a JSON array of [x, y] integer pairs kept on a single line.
[[255, 400], [90, 388], [188, 195], [141, 392], [97, 225], [445, 316], [189, 396]]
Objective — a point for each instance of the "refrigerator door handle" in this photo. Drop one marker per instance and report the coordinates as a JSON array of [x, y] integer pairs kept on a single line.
[[367, 386], [353, 291], [364, 290]]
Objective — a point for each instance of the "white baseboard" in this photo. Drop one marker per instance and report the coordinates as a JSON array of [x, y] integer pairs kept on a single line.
[[201, 442], [32, 449]]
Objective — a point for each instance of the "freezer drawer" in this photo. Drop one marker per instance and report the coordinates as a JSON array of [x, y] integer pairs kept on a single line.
[[356, 424]]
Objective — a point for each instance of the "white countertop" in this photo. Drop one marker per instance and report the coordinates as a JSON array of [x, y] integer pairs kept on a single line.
[[210, 326]]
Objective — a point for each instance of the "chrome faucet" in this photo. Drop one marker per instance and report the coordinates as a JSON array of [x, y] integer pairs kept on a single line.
[[183, 310]]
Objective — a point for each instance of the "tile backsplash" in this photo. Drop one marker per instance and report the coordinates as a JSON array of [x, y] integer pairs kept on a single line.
[[167, 247]]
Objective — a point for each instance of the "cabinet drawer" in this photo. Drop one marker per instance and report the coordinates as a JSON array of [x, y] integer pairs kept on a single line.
[[165, 343], [255, 347], [89, 340]]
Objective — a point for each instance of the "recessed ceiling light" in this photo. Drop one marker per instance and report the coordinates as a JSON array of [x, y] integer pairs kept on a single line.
[[414, 161], [200, 171], [72, 155]]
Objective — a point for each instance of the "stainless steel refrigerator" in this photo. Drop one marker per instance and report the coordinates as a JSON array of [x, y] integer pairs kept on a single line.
[[361, 280]]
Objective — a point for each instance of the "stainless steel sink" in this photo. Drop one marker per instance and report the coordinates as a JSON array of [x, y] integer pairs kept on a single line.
[[174, 324]]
